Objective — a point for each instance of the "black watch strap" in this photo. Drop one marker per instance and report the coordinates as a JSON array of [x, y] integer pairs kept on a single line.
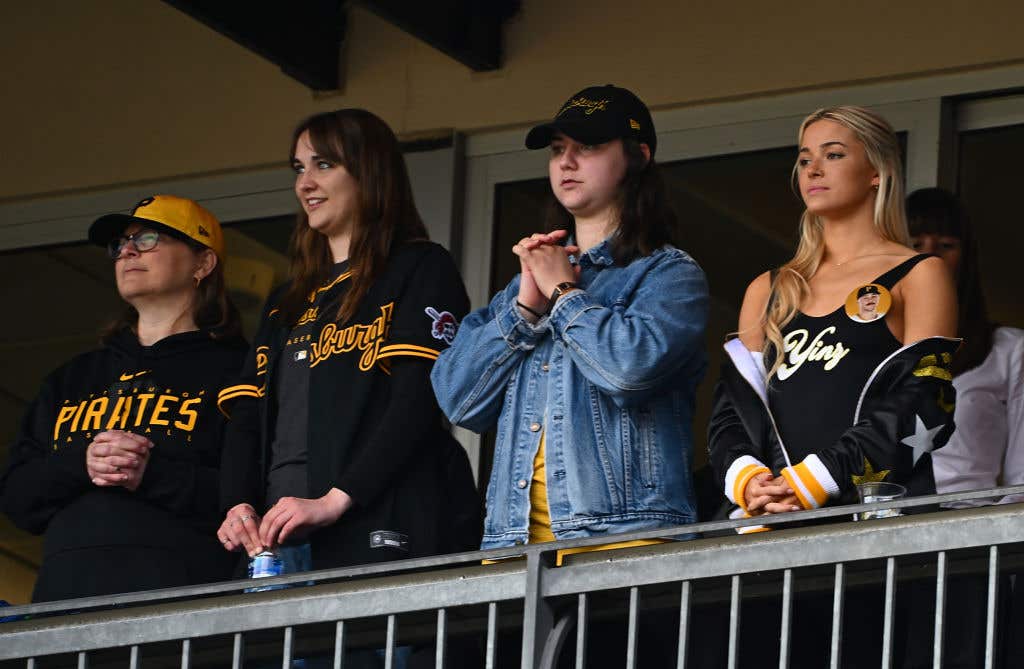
[[561, 289]]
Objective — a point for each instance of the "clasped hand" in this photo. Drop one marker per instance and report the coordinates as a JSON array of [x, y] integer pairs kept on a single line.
[[543, 264], [767, 494], [117, 458]]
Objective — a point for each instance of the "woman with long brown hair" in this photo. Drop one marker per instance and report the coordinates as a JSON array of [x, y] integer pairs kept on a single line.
[[336, 452], [117, 459]]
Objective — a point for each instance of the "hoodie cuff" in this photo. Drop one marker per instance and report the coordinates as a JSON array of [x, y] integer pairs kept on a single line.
[[811, 482], [738, 475]]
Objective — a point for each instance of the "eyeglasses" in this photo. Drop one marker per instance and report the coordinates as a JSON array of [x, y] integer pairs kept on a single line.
[[142, 241]]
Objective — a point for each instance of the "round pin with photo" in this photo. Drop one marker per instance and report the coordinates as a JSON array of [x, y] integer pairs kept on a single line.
[[868, 303]]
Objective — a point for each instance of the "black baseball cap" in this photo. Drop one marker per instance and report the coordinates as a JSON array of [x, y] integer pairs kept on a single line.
[[869, 289], [597, 115]]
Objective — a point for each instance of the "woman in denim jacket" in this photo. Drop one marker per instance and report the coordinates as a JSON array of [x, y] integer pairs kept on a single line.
[[588, 360]]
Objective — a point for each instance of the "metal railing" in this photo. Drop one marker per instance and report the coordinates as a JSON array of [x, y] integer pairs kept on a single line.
[[534, 609]]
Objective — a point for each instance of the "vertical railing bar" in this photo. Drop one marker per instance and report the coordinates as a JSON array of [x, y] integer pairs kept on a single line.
[[581, 631], [734, 622], [441, 642], [836, 645], [787, 609], [286, 649], [339, 644], [990, 622], [389, 647], [890, 597], [940, 609], [30, 663], [631, 635], [186, 654], [133, 659], [684, 624], [492, 635], [83, 660], [238, 651]]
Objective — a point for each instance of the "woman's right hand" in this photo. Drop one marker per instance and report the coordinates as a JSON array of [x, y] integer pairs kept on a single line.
[[241, 529], [767, 494], [529, 293]]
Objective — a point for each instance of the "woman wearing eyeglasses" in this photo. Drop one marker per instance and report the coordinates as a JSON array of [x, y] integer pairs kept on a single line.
[[117, 461]]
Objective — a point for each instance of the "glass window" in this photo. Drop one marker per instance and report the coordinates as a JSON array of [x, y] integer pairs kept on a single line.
[[987, 182]]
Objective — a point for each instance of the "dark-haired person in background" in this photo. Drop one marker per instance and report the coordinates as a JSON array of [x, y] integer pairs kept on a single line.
[[336, 451], [117, 459], [987, 448]]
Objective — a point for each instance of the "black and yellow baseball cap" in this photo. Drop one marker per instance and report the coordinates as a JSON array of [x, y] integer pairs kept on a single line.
[[596, 115], [177, 216]]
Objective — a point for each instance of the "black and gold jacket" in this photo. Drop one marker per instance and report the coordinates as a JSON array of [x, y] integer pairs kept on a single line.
[[166, 392], [374, 427], [905, 411]]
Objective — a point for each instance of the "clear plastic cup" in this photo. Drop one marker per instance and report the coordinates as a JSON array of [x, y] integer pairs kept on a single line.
[[879, 491]]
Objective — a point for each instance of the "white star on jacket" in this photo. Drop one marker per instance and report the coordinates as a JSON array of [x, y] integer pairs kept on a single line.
[[923, 439]]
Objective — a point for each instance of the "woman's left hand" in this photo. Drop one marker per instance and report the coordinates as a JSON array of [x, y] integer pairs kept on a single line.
[[297, 517], [549, 264], [118, 458]]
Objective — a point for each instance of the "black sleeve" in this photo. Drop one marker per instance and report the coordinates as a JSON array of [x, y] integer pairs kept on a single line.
[[241, 476], [735, 455], [424, 322], [895, 432], [40, 480]]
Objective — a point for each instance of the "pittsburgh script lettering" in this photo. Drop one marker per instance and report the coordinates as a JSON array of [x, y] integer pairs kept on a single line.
[[798, 351], [590, 106], [366, 338]]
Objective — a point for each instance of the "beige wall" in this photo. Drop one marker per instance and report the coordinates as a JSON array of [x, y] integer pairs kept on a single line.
[[115, 91]]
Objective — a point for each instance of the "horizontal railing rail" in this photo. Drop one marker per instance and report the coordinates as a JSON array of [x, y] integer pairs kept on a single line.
[[524, 575]]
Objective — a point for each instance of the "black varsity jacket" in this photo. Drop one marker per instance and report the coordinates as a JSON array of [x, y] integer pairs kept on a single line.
[[374, 428], [905, 411]]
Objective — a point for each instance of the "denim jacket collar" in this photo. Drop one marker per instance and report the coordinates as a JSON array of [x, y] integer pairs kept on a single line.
[[600, 254]]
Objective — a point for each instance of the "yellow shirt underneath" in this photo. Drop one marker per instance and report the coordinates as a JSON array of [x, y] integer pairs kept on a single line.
[[540, 515]]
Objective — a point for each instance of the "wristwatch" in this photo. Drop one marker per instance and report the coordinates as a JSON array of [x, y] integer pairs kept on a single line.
[[560, 290]]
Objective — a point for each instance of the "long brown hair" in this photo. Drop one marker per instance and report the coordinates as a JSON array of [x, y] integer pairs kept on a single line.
[[212, 308], [386, 217], [790, 287], [647, 220]]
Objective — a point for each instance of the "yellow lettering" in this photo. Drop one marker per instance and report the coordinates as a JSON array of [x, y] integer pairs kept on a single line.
[[366, 338], [94, 414], [191, 415], [63, 417], [78, 414], [120, 413], [161, 409], [144, 399]]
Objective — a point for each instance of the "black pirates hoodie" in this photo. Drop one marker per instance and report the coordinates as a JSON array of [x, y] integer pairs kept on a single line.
[[102, 540]]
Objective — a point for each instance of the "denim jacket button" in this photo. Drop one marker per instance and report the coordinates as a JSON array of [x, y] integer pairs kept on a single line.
[[534, 427], [521, 483], [545, 367]]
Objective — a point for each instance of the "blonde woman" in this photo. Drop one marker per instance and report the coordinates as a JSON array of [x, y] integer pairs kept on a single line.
[[814, 398]]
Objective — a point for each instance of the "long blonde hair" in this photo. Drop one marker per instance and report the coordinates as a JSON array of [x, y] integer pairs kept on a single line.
[[790, 287]]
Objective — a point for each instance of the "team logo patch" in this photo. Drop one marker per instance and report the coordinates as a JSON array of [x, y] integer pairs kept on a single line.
[[143, 203], [444, 326]]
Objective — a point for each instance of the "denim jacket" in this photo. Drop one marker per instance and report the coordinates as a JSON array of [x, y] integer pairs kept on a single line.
[[608, 377]]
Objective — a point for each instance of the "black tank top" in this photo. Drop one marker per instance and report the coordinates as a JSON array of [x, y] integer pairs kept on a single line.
[[828, 360]]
